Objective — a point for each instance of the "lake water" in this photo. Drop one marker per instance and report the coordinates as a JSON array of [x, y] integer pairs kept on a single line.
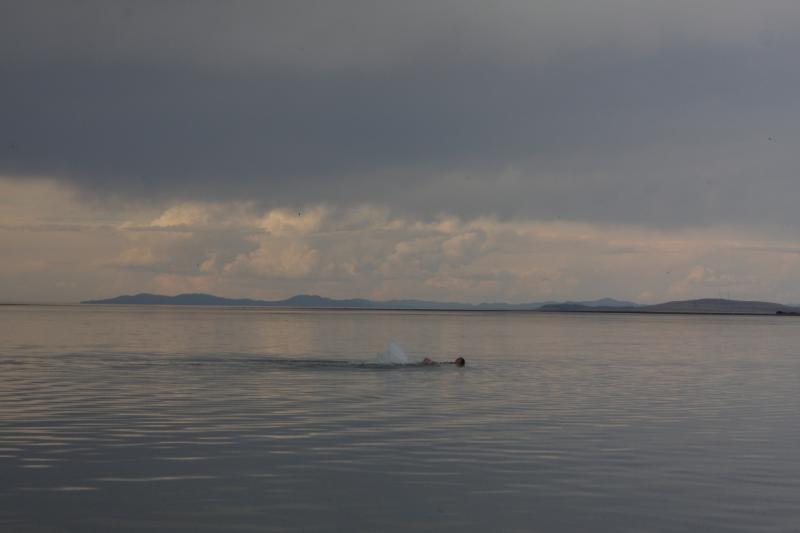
[[228, 419]]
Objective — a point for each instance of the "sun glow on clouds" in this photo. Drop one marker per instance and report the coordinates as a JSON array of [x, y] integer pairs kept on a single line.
[[60, 247]]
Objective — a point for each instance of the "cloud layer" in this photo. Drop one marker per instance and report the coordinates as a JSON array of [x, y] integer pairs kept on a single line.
[[61, 248], [619, 111]]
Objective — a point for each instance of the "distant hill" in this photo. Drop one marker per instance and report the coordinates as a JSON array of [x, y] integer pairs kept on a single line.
[[718, 305], [702, 306], [603, 303], [314, 301]]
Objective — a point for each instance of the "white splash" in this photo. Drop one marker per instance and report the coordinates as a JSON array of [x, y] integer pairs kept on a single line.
[[394, 355]]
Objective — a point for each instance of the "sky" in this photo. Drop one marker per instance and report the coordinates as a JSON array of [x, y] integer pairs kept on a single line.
[[513, 151]]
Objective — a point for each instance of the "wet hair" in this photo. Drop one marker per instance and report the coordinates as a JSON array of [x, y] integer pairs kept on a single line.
[[460, 361]]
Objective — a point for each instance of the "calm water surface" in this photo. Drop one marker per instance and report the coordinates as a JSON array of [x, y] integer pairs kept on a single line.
[[191, 419]]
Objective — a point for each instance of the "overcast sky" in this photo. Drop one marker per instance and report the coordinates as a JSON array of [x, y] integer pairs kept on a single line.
[[451, 150]]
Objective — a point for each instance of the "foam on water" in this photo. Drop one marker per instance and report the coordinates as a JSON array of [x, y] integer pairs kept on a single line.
[[233, 363], [394, 355]]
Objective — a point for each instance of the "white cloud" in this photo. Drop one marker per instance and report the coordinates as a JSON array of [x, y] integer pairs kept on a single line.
[[283, 222], [277, 259], [186, 214]]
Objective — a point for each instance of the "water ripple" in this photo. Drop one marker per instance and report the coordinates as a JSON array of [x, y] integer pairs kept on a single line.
[[178, 420]]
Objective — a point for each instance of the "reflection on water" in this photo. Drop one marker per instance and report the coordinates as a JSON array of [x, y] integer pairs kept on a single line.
[[175, 419]]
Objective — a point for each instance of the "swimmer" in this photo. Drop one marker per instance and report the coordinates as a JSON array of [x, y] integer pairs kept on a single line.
[[459, 361]]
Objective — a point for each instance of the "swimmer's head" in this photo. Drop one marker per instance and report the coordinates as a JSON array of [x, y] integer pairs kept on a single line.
[[460, 361]]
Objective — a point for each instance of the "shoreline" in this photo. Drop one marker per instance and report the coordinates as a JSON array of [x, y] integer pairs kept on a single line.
[[419, 309]]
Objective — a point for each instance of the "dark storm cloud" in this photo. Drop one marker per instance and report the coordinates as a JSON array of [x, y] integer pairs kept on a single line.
[[652, 119]]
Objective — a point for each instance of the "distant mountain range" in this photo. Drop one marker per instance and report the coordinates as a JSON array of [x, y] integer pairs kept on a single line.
[[603, 305], [314, 301], [702, 306]]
